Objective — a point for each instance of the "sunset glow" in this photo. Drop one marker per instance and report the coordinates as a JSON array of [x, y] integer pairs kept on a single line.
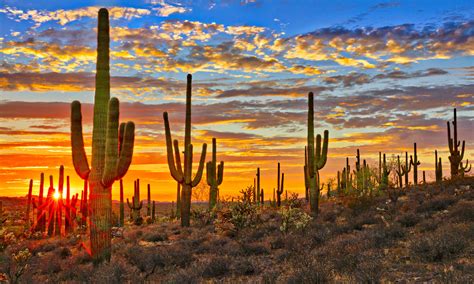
[[383, 78]]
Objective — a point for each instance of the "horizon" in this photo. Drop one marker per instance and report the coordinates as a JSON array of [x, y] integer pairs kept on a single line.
[[384, 74]]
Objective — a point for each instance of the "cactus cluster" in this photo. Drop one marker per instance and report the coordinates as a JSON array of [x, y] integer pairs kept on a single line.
[[137, 204], [49, 212], [184, 176], [112, 147]]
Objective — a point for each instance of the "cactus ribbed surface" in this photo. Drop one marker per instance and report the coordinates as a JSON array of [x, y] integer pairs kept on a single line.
[[456, 156], [317, 157], [184, 177], [415, 163], [215, 175], [280, 186], [112, 149], [122, 206]]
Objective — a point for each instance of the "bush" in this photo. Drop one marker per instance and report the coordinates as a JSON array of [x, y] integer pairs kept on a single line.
[[243, 267], [408, 219], [154, 237], [444, 243], [436, 204], [310, 270], [463, 211], [255, 248], [216, 267], [293, 219]]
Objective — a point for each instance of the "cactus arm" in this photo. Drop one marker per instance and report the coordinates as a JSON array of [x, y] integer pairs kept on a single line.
[[126, 153], [129, 205], [169, 148], [177, 156], [79, 157], [111, 144], [220, 173], [140, 205], [209, 174], [202, 161], [462, 150], [450, 140], [120, 138], [324, 154]]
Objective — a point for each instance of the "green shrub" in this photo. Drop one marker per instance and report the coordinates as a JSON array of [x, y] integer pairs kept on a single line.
[[293, 218]]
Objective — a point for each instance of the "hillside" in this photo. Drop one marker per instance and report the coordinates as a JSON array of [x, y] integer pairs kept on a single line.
[[426, 235]]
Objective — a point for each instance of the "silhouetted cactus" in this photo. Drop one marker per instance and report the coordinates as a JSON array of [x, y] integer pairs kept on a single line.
[[148, 204], [258, 186], [456, 156], [59, 202], [316, 158], [184, 177], [415, 163], [136, 204], [112, 149], [84, 208], [463, 169], [438, 168], [28, 204], [406, 168], [67, 209], [385, 174], [215, 175], [280, 186], [399, 172]]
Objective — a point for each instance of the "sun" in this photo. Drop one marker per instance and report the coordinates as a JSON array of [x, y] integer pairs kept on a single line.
[[56, 195]]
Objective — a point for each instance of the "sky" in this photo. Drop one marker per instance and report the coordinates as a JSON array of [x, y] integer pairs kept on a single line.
[[385, 74]]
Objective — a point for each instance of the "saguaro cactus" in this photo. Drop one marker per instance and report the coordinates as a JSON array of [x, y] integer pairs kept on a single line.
[[214, 175], [456, 156], [385, 174], [406, 168], [112, 149], [136, 204], [317, 157], [463, 169], [280, 186], [40, 212], [28, 204], [438, 168], [399, 172], [258, 185], [415, 163], [148, 204], [59, 202], [184, 177]]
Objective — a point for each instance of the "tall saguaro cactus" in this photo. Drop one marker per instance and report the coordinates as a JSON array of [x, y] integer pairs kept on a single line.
[[136, 204], [317, 157], [456, 156], [258, 185], [184, 176], [438, 168], [415, 163], [214, 175], [280, 183], [112, 149]]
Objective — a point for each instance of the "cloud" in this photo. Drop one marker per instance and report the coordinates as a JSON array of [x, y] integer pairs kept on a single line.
[[167, 9], [64, 17]]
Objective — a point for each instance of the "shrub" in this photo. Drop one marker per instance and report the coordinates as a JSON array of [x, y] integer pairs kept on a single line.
[[408, 219], [216, 267], [444, 243], [293, 218], [154, 237], [255, 248], [310, 270], [436, 204], [243, 267], [463, 211]]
